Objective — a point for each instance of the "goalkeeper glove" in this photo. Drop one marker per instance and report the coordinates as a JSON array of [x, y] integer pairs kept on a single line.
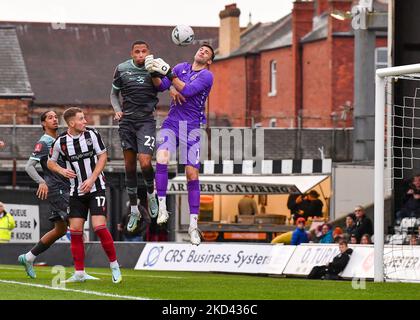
[[159, 65], [148, 64]]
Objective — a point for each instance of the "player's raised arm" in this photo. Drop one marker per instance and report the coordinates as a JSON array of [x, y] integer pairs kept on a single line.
[[203, 58], [159, 80]]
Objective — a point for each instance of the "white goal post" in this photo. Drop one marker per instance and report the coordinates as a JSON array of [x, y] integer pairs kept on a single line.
[[380, 107]]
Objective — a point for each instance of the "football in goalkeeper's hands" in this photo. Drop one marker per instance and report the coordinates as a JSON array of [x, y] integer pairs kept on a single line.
[[182, 35]]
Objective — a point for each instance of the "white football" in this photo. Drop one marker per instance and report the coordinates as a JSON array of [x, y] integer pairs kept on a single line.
[[182, 35]]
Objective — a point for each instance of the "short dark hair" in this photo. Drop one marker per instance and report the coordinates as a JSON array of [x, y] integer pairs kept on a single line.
[[70, 113], [44, 117], [139, 42], [313, 193], [352, 216], [342, 241], [206, 44]]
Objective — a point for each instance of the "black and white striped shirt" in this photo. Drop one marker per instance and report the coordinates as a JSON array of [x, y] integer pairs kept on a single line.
[[81, 155]]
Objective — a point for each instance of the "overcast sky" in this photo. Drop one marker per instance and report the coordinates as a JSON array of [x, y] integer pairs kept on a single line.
[[153, 12]]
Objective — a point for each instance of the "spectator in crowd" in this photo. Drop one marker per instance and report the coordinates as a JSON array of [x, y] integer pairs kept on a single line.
[[2, 144], [350, 224], [293, 206], [316, 233], [365, 239], [411, 202], [411, 187], [338, 234], [310, 205], [7, 224], [363, 223], [299, 235], [327, 236], [332, 269], [139, 233], [353, 239], [247, 205], [413, 241]]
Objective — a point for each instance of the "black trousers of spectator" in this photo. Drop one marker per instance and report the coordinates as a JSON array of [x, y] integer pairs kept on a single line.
[[320, 272], [317, 272]]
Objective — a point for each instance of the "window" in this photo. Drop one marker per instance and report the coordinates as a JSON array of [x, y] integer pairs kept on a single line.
[[273, 78], [381, 58]]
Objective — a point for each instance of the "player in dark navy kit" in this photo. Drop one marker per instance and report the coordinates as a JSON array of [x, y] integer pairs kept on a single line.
[[190, 85], [137, 125], [52, 186], [85, 155]]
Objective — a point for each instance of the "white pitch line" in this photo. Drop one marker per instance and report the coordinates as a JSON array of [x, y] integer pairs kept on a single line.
[[104, 274], [96, 293], [139, 276]]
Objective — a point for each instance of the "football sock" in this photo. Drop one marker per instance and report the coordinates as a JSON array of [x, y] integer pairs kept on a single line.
[[134, 208], [106, 241], [132, 195], [77, 249], [193, 221], [193, 187], [131, 186], [161, 179], [30, 257], [149, 179], [36, 251]]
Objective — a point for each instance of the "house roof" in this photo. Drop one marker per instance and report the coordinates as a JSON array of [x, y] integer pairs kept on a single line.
[[278, 34], [74, 63], [14, 81], [320, 25], [264, 36], [319, 30]]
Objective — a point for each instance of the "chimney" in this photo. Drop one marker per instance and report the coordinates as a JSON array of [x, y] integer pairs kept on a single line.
[[302, 16], [337, 25], [229, 31], [321, 7]]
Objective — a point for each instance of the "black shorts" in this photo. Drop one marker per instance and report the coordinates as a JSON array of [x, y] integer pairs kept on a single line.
[[95, 203], [138, 135], [59, 204]]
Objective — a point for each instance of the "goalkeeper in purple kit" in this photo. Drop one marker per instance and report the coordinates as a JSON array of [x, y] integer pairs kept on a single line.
[[190, 85]]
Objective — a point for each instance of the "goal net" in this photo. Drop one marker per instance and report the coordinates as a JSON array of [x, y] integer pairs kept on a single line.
[[397, 162]]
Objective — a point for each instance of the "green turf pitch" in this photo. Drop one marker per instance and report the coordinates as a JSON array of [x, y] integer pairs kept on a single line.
[[14, 284]]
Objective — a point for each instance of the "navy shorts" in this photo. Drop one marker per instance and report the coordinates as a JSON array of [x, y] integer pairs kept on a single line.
[[138, 135], [59, 204]]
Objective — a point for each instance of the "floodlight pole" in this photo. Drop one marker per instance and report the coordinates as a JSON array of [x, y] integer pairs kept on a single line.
[[365, 23]]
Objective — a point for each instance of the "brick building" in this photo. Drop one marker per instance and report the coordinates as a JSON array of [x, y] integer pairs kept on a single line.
[[15, 90], [72, 65], [294, 72]]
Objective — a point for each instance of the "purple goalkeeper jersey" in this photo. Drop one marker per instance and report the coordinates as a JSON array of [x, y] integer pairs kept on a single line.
[[196, 90]]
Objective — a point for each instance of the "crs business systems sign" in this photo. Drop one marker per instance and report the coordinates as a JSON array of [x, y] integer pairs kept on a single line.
[[223, 257]]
